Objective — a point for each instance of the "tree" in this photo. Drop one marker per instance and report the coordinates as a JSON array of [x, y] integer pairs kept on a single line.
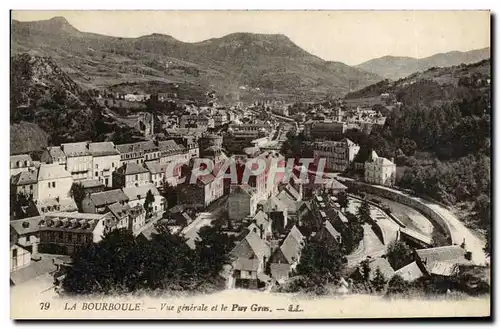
[[365, 270], [378, 282], [343, 200], [148, 203], [397, 285], [170, 194], [78, 194], [364, 212], [321, 262], [438, 238], [399, 254]]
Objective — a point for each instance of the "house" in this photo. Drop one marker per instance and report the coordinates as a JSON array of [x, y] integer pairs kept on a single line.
[[59, 233], [163, 173], [92, 186], [53, 154], [380, 171], [378, 263], [138, 152], [338, 155], [19, 257], [205, 191], [410, 272], [242, 202], [287, 256], [20, 163], [328, 233], [105, 160], [442, 261], [78, 160], [97, 203], [54, 182], [131, 174], [25, 182], [250, 258], [137, 196], [191, 146], [170, 151], [131, 218], [195, 121], [262, 221], [277, 212]]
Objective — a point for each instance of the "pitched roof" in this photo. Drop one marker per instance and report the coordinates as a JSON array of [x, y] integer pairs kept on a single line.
[[156, 167], [273, 204], [56, 152], [132, 168], [261, 218], [108, 197], [52, 171], [137, 147], [133, 192], [27, 225], [410, 272], [293, 192], [103, 149], [331, 230], [90, 183], [335, 184], [291, 247], [441, 260], [25, 177], [170, 147], [288, 201], [118, 210], [383, 265], [20, 157], [251, 245], [75, 149]]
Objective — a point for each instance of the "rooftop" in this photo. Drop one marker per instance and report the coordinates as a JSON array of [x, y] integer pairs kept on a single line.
[[52, 171], [139, 192], [103, 149], [108, 197], [75, 149]]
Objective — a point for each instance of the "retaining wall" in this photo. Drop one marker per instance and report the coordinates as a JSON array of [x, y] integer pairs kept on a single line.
[[432, 215]]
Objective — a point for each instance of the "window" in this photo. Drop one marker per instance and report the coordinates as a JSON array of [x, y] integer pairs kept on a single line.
[[49, 184], [31, 187], [96, 173], [14, 253], [53, 184], [96, 166], [136, 177], [112, 164]]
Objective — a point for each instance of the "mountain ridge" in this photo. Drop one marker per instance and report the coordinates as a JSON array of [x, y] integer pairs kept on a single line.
[[396, 67], [239, 66]]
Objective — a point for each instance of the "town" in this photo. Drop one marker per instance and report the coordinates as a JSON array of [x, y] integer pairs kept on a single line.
[[74, 195]]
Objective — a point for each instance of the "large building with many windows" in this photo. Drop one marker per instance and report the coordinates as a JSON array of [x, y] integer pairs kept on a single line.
[[338, 155], [380, 171]]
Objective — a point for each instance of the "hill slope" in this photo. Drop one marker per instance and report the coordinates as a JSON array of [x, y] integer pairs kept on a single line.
[[237, 66], [48, 107], [398, 67]]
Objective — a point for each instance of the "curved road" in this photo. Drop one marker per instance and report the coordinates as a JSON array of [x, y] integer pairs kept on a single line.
[[459, 232]]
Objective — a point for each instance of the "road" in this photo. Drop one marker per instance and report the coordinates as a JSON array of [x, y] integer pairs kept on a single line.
[[412, 218], [458, 230], [213, 212], [371, 244]]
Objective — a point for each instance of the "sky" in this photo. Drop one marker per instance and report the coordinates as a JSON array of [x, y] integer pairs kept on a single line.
[[351, 37]]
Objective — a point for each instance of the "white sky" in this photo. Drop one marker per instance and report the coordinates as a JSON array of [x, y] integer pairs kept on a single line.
[[351, 37]]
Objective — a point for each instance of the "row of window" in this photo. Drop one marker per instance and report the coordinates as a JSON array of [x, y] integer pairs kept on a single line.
[[97, 165], [65, 237]]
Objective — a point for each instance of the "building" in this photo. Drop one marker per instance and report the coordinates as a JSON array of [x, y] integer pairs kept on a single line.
[[54, 182], [287, 256], [19, 257], [190, 144], [137, 196], [105, 160], [242, 202], [251, 256], [60, 233], [131, 218], [170, 151], [338, 155], [138, 152], [380, 171], [25, 182], [206, 190], [164, 173], [53, 154], [131, 174], [78, 160], [196, 121], [324, 129], [442, 261], [97, 203], [220, 118], [328, 232], [20, 163]]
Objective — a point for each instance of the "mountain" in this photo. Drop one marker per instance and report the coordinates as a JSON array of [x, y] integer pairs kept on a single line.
[[391, 67], [239, 66], [48, 108]]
